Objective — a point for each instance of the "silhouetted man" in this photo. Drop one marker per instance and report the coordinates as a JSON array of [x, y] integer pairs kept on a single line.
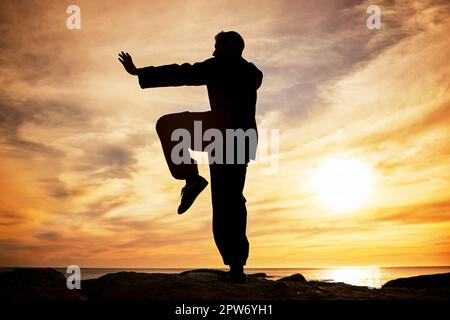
[[232, 83]]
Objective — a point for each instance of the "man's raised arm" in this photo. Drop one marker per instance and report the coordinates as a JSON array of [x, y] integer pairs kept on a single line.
[[168, 75]]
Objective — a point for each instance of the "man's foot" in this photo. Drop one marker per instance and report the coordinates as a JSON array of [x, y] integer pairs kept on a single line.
[[190, 192], [235, 275]]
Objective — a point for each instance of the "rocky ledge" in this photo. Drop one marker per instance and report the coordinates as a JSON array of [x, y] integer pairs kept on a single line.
[[204, 284]]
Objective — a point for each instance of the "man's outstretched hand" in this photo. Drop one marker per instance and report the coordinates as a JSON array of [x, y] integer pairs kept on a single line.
[[127, 62]]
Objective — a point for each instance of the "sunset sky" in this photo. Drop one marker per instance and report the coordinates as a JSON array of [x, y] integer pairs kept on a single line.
[[82, 175]]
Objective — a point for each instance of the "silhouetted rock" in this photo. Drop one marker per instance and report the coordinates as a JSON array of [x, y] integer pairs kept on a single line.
[[215, 275], [193, 284], [36, 284], [200, 284], [428, 281], [203, 274], [297, 277], [259, 275], [203, 284]]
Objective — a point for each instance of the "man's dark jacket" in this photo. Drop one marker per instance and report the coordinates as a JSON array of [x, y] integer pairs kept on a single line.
[[231, 83]]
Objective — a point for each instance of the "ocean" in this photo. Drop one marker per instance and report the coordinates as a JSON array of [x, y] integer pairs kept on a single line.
[[369, 276]]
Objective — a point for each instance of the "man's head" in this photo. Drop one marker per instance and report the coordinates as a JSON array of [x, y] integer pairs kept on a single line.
[[229, 44]]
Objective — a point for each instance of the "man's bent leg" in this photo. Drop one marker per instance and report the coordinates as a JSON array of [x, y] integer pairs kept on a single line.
[[166, 125], [184, 167]]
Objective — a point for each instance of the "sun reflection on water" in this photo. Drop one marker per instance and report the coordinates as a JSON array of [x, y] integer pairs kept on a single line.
[[362, 276]]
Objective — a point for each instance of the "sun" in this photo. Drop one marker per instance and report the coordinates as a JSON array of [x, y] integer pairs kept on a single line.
[[343, 184]]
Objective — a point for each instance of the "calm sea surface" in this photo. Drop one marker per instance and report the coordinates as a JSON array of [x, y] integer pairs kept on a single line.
[[370, 276]]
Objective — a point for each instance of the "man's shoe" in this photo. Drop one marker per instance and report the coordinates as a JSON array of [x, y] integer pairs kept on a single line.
[[190, 192]]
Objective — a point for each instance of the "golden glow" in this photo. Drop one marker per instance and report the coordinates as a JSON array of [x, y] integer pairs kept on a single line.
[[368, 276], [342, 184]]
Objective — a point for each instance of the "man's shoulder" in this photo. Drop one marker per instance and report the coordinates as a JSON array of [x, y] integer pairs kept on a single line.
[[242, 64], [209, 61], [252, 65]]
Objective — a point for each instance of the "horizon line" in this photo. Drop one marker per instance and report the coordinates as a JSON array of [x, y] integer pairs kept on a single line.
[[178, 268]]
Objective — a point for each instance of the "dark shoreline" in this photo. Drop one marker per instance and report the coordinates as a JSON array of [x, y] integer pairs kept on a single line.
[[203, 284], [324, 274], [26, 293]]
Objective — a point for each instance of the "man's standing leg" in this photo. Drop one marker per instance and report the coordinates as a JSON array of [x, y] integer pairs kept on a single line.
[[230, 215]]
